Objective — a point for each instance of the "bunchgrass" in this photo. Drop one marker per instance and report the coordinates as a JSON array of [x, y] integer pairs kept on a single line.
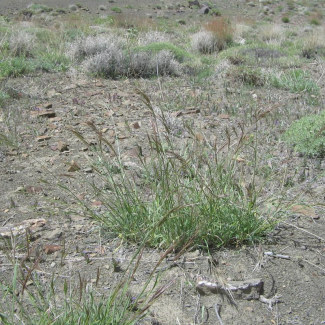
[[296, 80], [195, 190]]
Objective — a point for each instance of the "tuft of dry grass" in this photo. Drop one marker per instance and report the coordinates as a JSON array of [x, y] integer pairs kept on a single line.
[[21, 43], [272, 33], [222, 29]]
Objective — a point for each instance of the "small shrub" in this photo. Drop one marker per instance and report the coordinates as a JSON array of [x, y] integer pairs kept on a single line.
[[249, 76], [116, 9], [153, 37], [73, 7], [285, 19], [165, 63], [307, 135], [204, 42], [108, 64], [15, 67], [93, 45], [50, 61], [139, 65], [21, 43]]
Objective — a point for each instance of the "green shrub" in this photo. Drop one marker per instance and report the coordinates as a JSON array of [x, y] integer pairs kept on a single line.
[[15, 67], [307, 135], [285, 19], [51, 62]]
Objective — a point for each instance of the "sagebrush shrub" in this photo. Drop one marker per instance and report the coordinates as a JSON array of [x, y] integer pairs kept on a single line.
[[109, 64], [204, 42], [153, 37], [93, 45], [166, 63], [22, 43]]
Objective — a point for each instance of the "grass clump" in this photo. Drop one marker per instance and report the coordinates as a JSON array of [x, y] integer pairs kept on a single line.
[[116, 9], [307, 135], [296, 81], [179, 193], [14, 67]]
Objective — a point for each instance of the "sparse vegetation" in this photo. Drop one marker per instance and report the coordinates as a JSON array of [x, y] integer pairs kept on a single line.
[[205, 136]]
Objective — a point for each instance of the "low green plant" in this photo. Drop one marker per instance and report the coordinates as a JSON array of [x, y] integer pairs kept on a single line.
[[116, 9], [179, 53], [285, 19], [307, 135], [314, 21], [296, 80], [52, 61], [14, 67]]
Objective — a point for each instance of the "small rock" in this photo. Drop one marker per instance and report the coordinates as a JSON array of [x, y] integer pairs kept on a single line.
[[48, 114], [54, 234], [50, 249], [42, 138], [136, 125], [73, 167], [204, 10], [62, 146]]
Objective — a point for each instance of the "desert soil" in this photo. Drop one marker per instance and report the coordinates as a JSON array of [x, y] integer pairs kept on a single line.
[[46, 150]]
